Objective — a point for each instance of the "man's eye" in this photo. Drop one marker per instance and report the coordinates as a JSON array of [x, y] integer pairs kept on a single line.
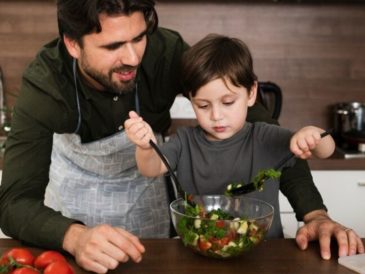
[[112, 47], [139, 39]]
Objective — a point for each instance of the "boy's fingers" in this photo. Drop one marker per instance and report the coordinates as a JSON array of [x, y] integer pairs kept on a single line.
[[133, 114]]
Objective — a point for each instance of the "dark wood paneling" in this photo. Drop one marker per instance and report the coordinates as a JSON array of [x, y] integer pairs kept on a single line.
[[24, 27], [315, 52]]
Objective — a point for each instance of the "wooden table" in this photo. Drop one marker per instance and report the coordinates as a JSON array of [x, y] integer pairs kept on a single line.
[[169, 256]]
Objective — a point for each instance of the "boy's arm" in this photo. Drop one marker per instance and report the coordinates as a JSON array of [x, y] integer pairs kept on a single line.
[[140, 133], [149, 163], [325, 148], [308, 141]]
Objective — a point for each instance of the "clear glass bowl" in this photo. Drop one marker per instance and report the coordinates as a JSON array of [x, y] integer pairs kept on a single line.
[[249, 221]]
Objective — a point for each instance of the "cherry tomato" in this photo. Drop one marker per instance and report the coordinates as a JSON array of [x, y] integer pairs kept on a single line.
[[47, 257], [204, 244], [58, 267], [25, 270], [219, 223], [20, 255], [218, 244]]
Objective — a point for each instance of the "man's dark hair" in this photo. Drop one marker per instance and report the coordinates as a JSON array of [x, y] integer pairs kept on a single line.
[[217, 57], [77, 18]]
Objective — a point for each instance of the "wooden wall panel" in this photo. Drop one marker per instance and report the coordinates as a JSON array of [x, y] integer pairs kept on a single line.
[[24, 27], [315, 52]]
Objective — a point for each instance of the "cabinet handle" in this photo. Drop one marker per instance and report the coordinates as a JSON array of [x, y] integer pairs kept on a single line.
[[361, 184]]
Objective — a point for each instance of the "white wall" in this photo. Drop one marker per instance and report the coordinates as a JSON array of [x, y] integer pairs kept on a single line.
[[182, 109]]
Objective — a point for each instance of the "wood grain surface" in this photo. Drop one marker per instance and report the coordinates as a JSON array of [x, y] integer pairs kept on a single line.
[[314, 51], [169, 256]]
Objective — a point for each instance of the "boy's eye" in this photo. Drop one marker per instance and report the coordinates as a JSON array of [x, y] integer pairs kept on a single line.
[[228, 103], [202, 106]]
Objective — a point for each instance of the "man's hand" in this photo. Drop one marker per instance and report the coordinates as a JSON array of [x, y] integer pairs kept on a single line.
[[101, 248], [319, 226]]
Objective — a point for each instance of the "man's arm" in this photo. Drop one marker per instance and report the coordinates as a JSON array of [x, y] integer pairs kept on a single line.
[[296, 183], [23, 215]]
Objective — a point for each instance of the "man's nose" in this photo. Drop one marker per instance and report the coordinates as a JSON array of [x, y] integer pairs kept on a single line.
[[130, 56]]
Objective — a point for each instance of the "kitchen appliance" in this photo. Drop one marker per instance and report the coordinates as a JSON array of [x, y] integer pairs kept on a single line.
[[349, 127]]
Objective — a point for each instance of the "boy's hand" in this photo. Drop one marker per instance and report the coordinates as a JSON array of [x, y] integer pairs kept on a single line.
[[304, 141], [138, 131]]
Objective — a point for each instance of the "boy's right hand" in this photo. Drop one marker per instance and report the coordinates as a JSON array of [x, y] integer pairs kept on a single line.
[[138, 131]]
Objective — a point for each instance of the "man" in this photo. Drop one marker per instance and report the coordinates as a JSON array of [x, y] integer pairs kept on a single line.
[[70, 181]]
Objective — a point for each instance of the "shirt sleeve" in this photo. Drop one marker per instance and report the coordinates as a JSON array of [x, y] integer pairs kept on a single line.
[[23, 215], [296, 182]]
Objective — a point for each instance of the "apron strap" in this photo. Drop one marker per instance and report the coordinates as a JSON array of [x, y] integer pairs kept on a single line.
[[138, 110], [77, 97]]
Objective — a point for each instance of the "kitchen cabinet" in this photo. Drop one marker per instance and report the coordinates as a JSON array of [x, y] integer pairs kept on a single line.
[[343, 192]]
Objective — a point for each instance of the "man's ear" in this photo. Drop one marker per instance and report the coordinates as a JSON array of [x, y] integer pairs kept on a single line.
[[252, 95], [72, 46]]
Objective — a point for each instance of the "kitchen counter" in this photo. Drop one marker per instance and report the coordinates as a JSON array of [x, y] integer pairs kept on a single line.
[[167, 256], [337, 162]]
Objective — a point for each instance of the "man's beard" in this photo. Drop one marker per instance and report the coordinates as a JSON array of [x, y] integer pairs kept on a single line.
[[106, 80]]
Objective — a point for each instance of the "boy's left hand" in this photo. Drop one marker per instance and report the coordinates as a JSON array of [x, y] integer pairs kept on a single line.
[[304, 141]]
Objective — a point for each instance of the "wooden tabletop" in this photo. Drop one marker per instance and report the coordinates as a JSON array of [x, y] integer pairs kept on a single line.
[[169, 256]]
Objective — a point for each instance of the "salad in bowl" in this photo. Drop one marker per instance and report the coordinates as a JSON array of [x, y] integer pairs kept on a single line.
[[220, 226]]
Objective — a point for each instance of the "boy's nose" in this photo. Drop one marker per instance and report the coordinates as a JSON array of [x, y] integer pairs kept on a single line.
[[216, 114]]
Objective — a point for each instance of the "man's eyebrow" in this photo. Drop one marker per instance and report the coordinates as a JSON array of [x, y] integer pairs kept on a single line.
[[120, 43], [143, 33]]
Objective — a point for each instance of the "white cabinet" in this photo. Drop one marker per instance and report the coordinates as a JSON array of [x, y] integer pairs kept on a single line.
[[288, 220], [343, 193]]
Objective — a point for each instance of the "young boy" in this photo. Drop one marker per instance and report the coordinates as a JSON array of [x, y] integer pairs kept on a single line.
[[218, 77]]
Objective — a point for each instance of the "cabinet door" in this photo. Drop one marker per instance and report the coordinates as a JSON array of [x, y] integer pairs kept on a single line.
[[288, 220], [343, 193]]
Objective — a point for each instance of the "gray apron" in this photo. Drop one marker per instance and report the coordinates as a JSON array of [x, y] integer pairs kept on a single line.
[[99, 183]]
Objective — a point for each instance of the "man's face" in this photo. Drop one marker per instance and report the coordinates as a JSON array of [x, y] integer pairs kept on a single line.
[[109, 59]]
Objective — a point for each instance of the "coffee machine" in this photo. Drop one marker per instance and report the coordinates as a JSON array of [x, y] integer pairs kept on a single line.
[[349, 129]]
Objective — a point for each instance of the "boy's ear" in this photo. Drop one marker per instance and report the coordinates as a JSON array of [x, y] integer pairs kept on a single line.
[[252, 95], [72, 46]]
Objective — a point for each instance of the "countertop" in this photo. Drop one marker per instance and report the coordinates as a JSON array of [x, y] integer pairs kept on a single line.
[[337, 162], [169, 256]]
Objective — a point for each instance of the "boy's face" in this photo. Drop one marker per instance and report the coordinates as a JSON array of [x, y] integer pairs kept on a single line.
[[109, 60], [221, 108]]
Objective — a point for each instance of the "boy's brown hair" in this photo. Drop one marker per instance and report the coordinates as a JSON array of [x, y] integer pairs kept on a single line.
[[217, 57]]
